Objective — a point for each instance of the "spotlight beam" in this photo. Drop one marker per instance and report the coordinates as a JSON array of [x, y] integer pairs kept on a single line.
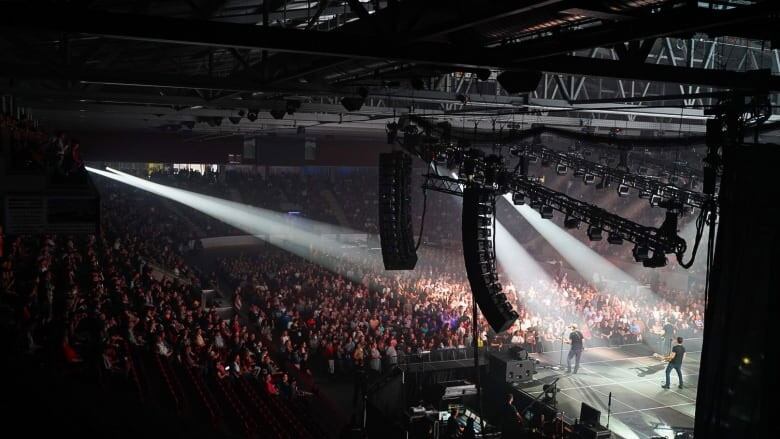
[[267, 225], [584, 260]]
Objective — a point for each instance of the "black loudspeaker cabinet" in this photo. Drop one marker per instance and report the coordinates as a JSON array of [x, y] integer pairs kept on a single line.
[[395, 212], [509, 370]]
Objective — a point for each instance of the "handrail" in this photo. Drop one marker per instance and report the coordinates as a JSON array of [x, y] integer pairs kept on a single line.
[[201, 392], [167, 379]]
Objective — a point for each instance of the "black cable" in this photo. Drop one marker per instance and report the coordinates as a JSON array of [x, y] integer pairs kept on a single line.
[[422, 220], [710, 260], [495, 220], [701, 220]]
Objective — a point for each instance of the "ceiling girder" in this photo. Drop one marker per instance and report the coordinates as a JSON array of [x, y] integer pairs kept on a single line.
[[342, 44]]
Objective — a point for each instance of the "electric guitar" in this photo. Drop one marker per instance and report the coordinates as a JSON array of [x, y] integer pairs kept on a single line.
[[664, 358]]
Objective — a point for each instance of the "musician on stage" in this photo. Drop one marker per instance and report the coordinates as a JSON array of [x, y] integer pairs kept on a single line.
[[675, 362], [577, 340]]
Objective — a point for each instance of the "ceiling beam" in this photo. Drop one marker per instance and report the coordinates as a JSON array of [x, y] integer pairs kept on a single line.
[[683, 20], [215, 34], [578, 65], [342, 44]]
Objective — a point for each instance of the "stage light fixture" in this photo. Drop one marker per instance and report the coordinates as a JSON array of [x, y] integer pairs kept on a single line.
[[641, 252], [589, 179], [594, 233], [645, 194], [535, 203], [561, 169], [252, 114], [578, 173], [277, 113], [604, 183], [292, 106], [352, 103], [658, 260], [546, 211], [615, 238], [655, 200], [518, 199], [623, 190], [571, 223], [235, 120], [533, 159]]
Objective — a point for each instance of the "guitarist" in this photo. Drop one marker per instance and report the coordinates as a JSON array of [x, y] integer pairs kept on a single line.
[[675, 362], [576, 339]]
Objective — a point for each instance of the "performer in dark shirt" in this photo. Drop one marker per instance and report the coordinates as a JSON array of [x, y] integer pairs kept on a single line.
[[576, 340], [675, 362]]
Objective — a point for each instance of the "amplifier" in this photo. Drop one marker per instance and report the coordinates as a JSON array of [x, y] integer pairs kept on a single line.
[[504, 368]]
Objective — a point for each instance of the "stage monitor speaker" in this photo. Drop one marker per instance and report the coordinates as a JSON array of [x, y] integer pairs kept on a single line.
[[395, 211], [519, 82], [478, 216], [504, 368], [583, 431]]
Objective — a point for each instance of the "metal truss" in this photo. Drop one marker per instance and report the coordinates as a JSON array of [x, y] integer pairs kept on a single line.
[[648, 237], [650, 186]]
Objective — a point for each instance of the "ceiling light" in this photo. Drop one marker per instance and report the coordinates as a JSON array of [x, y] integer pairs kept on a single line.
[[594, 233], [589, 179], [571, 223], [615, 238], [641, 252], [656, 261]]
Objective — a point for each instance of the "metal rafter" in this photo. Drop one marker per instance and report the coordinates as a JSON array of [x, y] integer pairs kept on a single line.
[[650, 237], [644, 184]]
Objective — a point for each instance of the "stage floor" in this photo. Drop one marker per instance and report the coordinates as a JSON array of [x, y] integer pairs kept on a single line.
[[640, 407]]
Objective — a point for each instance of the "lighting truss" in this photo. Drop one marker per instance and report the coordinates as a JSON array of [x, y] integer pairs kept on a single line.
[[445, 185], [647, 237], [644, 184]]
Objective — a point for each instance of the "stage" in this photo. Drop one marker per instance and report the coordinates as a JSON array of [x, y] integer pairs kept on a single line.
[[640, 407]]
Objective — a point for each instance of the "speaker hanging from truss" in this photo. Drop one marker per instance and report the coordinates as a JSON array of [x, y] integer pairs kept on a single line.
[[478, 217], [395, 211]]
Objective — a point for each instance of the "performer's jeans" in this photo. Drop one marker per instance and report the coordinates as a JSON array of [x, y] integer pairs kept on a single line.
[[669, 368], [576, 354]]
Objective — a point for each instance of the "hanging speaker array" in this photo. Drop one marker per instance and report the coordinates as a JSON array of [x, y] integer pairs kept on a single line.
[[478, 217], [395, 211]]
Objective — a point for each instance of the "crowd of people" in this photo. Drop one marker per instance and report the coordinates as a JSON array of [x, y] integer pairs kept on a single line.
[[364, 316], [98, 297], [30, 150]]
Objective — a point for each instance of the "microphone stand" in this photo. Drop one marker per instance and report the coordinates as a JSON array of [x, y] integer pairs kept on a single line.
[[609, 408]]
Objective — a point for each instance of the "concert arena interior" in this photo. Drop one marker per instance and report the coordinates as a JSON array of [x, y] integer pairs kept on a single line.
[[396, 219]]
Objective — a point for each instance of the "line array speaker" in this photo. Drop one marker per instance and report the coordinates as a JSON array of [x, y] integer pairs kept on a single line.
[[395, 211], [478, 215]]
